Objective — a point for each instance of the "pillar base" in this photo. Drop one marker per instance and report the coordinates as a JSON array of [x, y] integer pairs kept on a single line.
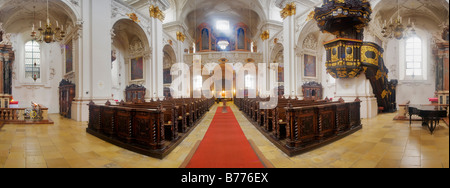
[[369, 106], [80, 109]]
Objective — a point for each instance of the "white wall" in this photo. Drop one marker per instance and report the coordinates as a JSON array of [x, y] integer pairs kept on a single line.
[[416, 91], [45, 90]]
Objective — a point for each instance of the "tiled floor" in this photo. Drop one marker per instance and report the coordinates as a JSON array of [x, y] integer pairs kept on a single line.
[[381, 143]]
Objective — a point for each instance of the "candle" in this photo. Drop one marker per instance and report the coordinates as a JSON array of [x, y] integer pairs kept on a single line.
[[40, 24], [57, 24]]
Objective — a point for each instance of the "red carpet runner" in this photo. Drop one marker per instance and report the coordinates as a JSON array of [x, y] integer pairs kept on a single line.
[[225, 145]]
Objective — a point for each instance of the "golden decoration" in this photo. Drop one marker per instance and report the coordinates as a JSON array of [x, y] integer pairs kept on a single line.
[[311, 16], [384, 94], [289, 10], [180, 36], [155, 12], [133, 17], [379, 75], [265, 35], [365, 59]]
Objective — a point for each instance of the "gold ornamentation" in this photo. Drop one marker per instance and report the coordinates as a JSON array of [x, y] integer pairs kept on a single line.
[[133, 17], [379, 75], [265, 35], [180, 36], [289, 10], [311, 16], [364, 52], [384, 94], [155, 12]]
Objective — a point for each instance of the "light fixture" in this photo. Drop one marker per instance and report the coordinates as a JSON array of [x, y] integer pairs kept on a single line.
[[34, 64], [48, 34], [396, 29], [223, 44]]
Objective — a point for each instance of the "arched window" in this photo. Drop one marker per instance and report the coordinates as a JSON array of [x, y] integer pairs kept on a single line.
[[414, 58], [205, 39], [32, 60], [241, 39]]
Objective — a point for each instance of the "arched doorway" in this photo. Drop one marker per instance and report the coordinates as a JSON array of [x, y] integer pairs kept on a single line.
[[130, 57], [277, 56], [169, 59]]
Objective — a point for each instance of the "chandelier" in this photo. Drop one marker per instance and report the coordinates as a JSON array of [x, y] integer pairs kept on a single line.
[[48, 34], [397, 29], [223, 44]]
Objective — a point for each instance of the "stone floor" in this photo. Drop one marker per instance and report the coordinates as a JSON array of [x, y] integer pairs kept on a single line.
[[382, 143]]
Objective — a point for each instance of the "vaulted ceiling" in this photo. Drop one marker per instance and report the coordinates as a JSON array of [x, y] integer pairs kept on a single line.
[[19, 15], [197, 12], [435, 10]]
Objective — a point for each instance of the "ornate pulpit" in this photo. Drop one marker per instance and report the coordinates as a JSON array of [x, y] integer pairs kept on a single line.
[[348, 56]]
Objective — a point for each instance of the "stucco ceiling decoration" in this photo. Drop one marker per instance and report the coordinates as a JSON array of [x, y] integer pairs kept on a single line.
[[197, 12], [430, 10], [13, 11]]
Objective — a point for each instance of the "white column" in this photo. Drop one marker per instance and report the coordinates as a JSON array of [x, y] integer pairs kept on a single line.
[[299, 76], [266, 61], [93, 61], [289, 52], [156, 65], [100, 45], [360, 87]]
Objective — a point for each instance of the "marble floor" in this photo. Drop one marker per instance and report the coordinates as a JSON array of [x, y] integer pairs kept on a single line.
[[382, 143]]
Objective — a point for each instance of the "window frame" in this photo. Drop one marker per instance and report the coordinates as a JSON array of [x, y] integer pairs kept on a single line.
[[33, 59], [416, 60], [403, 60]]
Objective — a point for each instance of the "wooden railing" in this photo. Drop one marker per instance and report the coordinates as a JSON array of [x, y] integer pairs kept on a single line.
[[25, 115], [12, 114]]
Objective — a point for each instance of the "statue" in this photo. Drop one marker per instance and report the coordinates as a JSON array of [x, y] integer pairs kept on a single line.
[[6, 39], [1, 32]]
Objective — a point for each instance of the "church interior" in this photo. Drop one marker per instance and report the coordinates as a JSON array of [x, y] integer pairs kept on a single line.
[[191, 84]]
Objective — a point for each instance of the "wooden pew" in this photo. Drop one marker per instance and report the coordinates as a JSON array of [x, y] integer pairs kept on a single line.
[[314, 124], [130, 125], [170, 116], [150, 128]]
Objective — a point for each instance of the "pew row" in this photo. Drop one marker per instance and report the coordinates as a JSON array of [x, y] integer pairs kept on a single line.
[[297, 126], [150, 128]]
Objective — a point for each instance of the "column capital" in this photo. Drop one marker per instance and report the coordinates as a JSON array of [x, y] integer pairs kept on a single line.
[[180, 36], [289, 10], [265, 35], [156, 12], [162, 4]]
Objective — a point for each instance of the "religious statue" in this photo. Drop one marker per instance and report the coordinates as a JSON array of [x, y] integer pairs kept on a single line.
[[1, 32], [6, 39]]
